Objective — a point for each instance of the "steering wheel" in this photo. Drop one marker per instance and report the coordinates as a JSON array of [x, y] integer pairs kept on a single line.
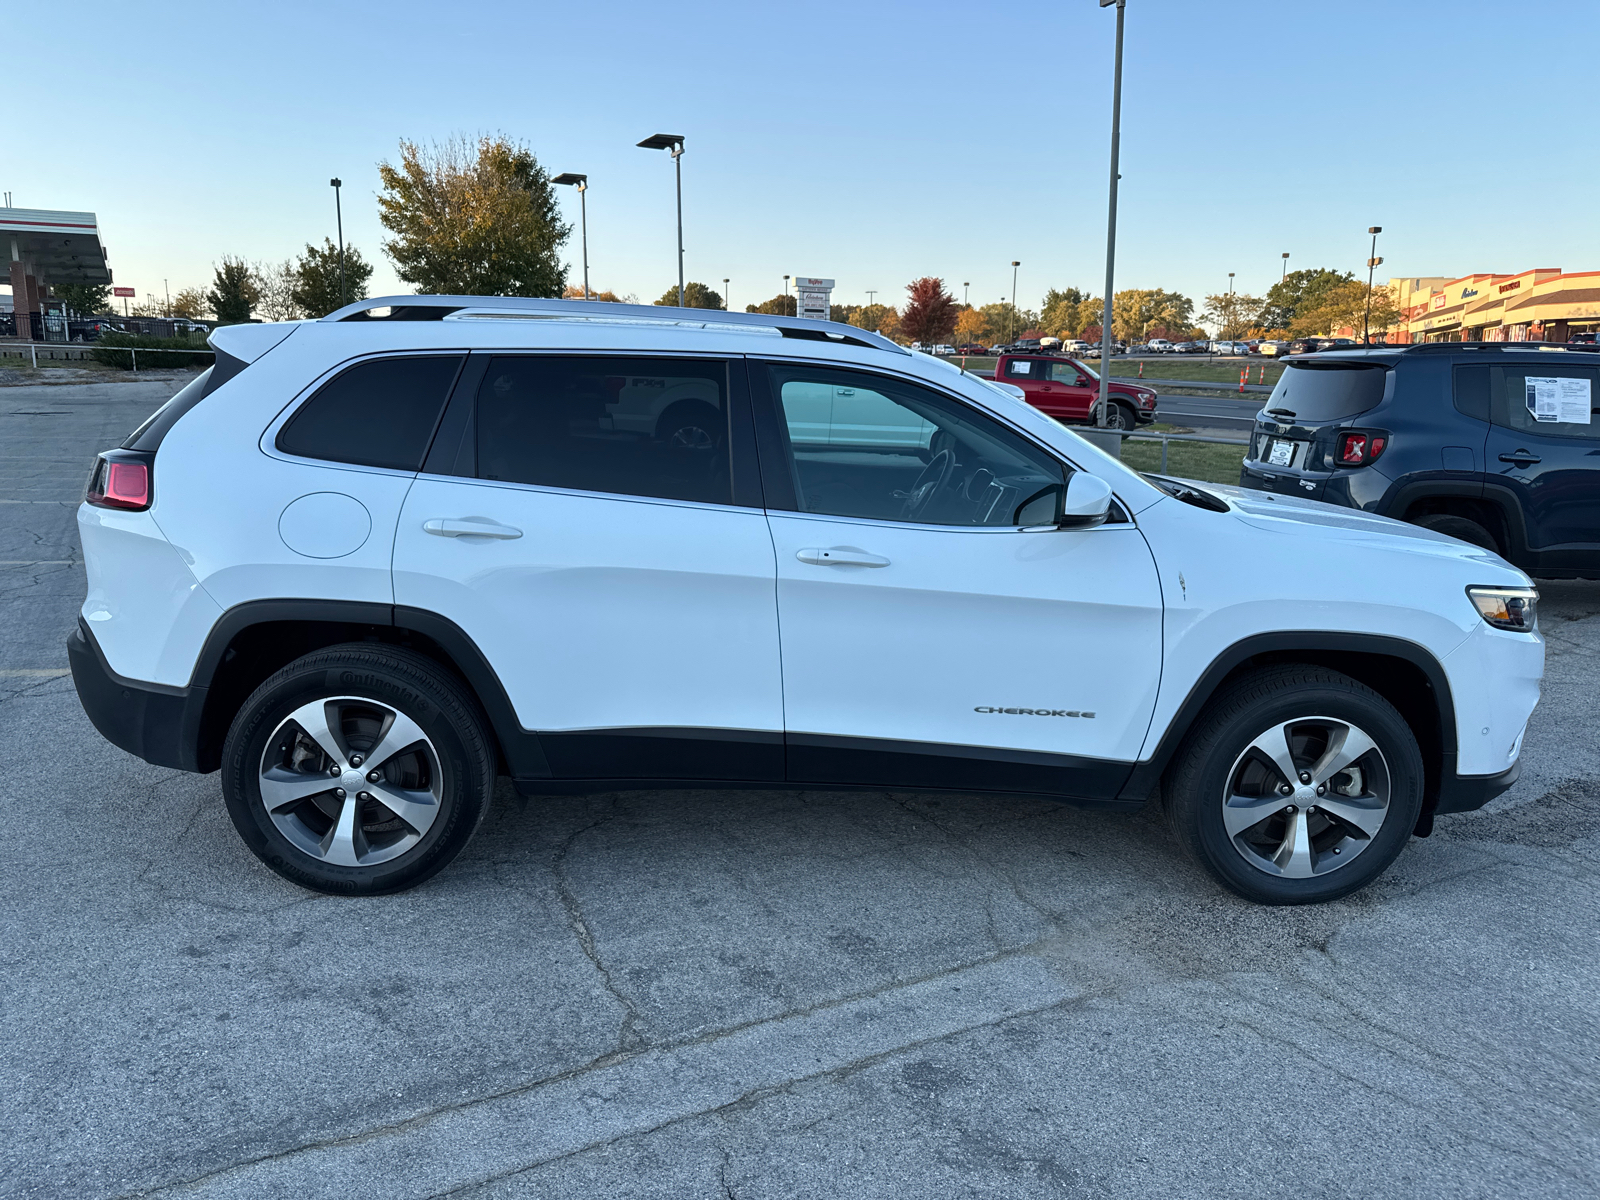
[[932, 477]]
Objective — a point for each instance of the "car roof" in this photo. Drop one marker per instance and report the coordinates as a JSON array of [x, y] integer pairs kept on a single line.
[[1389, 355]]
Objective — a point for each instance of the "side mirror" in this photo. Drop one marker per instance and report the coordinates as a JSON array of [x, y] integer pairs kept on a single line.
[[1083, 502], [1083, 381]]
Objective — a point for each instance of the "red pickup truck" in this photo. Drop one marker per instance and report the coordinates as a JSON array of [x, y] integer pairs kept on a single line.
[[1065, 389]]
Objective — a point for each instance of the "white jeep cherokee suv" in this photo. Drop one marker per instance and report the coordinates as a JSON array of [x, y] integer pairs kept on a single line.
[[366, 564]]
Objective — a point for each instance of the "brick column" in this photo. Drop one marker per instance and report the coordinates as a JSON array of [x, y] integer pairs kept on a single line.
[[19, 294]]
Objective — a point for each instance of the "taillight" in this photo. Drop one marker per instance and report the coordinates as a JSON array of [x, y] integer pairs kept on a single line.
[[121, 479], [1358, 449]]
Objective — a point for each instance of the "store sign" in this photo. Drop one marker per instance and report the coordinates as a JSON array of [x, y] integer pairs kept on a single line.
[[1467, 293], [123, 292], [1510, 287], [1439, 300], [813, 296]]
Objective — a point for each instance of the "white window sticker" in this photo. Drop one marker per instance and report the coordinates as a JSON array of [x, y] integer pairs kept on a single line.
[[1558, 399], [1020, 368]]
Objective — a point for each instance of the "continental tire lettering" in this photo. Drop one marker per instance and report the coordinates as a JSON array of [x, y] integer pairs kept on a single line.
[[1035, 712]]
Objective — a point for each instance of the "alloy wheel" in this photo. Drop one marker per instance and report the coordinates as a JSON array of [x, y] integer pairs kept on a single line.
[[350, 781], [1306, 797]]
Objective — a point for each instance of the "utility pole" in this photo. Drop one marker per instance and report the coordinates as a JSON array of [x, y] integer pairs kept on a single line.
[[1372, 262], [338, 216], [965, 285], [1012, 323], [1101, 403], [725, 295], [168, 292]]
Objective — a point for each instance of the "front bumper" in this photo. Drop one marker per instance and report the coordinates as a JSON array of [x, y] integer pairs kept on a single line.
[[149, 720], [1463, 793]]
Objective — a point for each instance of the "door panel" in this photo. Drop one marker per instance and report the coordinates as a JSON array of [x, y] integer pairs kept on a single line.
[[1553, 466]]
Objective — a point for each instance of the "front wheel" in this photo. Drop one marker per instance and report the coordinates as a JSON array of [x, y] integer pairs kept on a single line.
[[358, 770], [1299, 785]]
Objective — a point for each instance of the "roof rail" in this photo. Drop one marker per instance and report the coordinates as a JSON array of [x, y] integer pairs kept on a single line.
[[424, 308], [1520, 347]]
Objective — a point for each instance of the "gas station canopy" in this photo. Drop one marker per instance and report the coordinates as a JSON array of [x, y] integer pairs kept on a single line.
[[58, 247]]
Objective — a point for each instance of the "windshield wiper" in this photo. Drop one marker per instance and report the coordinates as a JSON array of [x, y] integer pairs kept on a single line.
[[1188, 493]]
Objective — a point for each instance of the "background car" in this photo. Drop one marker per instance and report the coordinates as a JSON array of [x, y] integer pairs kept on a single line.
[[972, 348]]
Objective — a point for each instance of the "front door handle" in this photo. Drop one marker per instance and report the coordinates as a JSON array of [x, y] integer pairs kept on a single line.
[[442, 527], [1519, 457], [838, 556]]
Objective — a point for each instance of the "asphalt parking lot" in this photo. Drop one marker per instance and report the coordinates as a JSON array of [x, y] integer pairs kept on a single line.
[[762, 994]]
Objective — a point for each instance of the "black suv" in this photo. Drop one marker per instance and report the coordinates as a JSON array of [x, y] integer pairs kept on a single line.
[[1494, 443]]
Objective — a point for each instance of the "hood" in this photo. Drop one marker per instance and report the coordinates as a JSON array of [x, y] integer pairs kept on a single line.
[[1294, 517]]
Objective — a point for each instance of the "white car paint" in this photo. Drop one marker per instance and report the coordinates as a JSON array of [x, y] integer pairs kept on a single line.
[[633, 612]]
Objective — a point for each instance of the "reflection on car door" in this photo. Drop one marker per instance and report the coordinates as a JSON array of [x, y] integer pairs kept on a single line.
[[602, 566], [927, 641]]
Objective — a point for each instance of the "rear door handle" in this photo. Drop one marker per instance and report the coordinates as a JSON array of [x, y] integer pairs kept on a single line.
[[835, 556], [442, 527], [1520, 456]]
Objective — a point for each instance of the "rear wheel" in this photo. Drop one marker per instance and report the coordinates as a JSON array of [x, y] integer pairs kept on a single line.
[[1299, 785], [1462, 528], [358, 769]]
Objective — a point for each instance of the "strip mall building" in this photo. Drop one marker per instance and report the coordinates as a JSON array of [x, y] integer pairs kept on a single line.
[[1541, 305]]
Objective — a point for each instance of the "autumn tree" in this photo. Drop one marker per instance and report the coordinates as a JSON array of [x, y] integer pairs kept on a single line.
[[1059, 316], [871, 316], [1344, 306], [1232, 313], [929, 316], [695, 295], [191, 303], [473, 218], [781, 305], [970, 326], [1299, 292], [316, 287], [235, 293], [1136, 311], [574, 291]]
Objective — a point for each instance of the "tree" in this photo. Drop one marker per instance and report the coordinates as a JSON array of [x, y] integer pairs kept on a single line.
[[1232, 313], [970, 326], [842, 313], [1297, 292], [235, 293], [930, 314], [473, 218], [1059, 316], [695, 295], [191, 303], [82, 299], [871, 316], [575, 292], [1344, 306], [778, 306], [316, 278], [1137, 311], [275, 282], [889, 326]]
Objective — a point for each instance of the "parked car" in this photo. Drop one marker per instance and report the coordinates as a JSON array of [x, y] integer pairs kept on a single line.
[[944, 348], [1231, 349], [973, 348], [1273, 349], [1494, 444], [826, 564], [1066, 389], [1160, 346]]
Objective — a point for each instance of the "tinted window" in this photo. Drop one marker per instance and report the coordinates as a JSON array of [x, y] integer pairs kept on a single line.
[[1023, 368], [379, 413], [149, 435], [866, 446], [1317, 393], [634, 426], [1547, 399], [1472, 391]]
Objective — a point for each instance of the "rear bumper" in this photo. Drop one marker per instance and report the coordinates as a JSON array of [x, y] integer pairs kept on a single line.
[[150, 721], [1463, 793]]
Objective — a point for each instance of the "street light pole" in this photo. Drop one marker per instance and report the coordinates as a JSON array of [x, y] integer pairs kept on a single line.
[[581, 182], [1372, 262], [338, 216], [725, 295], [1012, 324], [1285, 277], [1101, 408], [672, 142], [965, 285]]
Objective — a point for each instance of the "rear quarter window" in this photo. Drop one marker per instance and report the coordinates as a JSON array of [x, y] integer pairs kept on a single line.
[[1513, 399], [1323, 392], [379, 413]]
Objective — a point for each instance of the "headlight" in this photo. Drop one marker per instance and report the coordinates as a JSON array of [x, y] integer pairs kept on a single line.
[[1507, 608]]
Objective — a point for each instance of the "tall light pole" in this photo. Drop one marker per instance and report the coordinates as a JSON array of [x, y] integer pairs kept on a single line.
[[581, 182], [1285, 277], [1229, 330], [674, 143], [725, 295], [1101, 404], [1372, 262], [1012, 324], [965, 285], [871, 292], [338, 216]]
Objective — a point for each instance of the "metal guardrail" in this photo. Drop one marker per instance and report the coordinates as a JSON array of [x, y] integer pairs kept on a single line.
[[89, 347], [1165, 438]]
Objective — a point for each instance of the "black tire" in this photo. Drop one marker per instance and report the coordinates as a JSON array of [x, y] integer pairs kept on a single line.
[[1120, 416], [453, 766], [691, 425], [1215, 760], [1462, 528]]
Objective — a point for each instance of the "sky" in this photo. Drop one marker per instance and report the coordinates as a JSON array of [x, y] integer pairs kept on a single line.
[[868, 142]]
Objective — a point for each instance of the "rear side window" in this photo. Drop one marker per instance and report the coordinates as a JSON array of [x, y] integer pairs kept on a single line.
[[1472, 391], [379, 413], [1022, 368], [1321, 393], [632, 426], [1548, 399]]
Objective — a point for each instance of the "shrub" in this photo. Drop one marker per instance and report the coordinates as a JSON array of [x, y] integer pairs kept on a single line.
[[113, 351]]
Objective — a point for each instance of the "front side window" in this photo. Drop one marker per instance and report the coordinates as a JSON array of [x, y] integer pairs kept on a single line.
[[632, 426], [867, 446], [379, 413], [1068, 373], [1552, 400]]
